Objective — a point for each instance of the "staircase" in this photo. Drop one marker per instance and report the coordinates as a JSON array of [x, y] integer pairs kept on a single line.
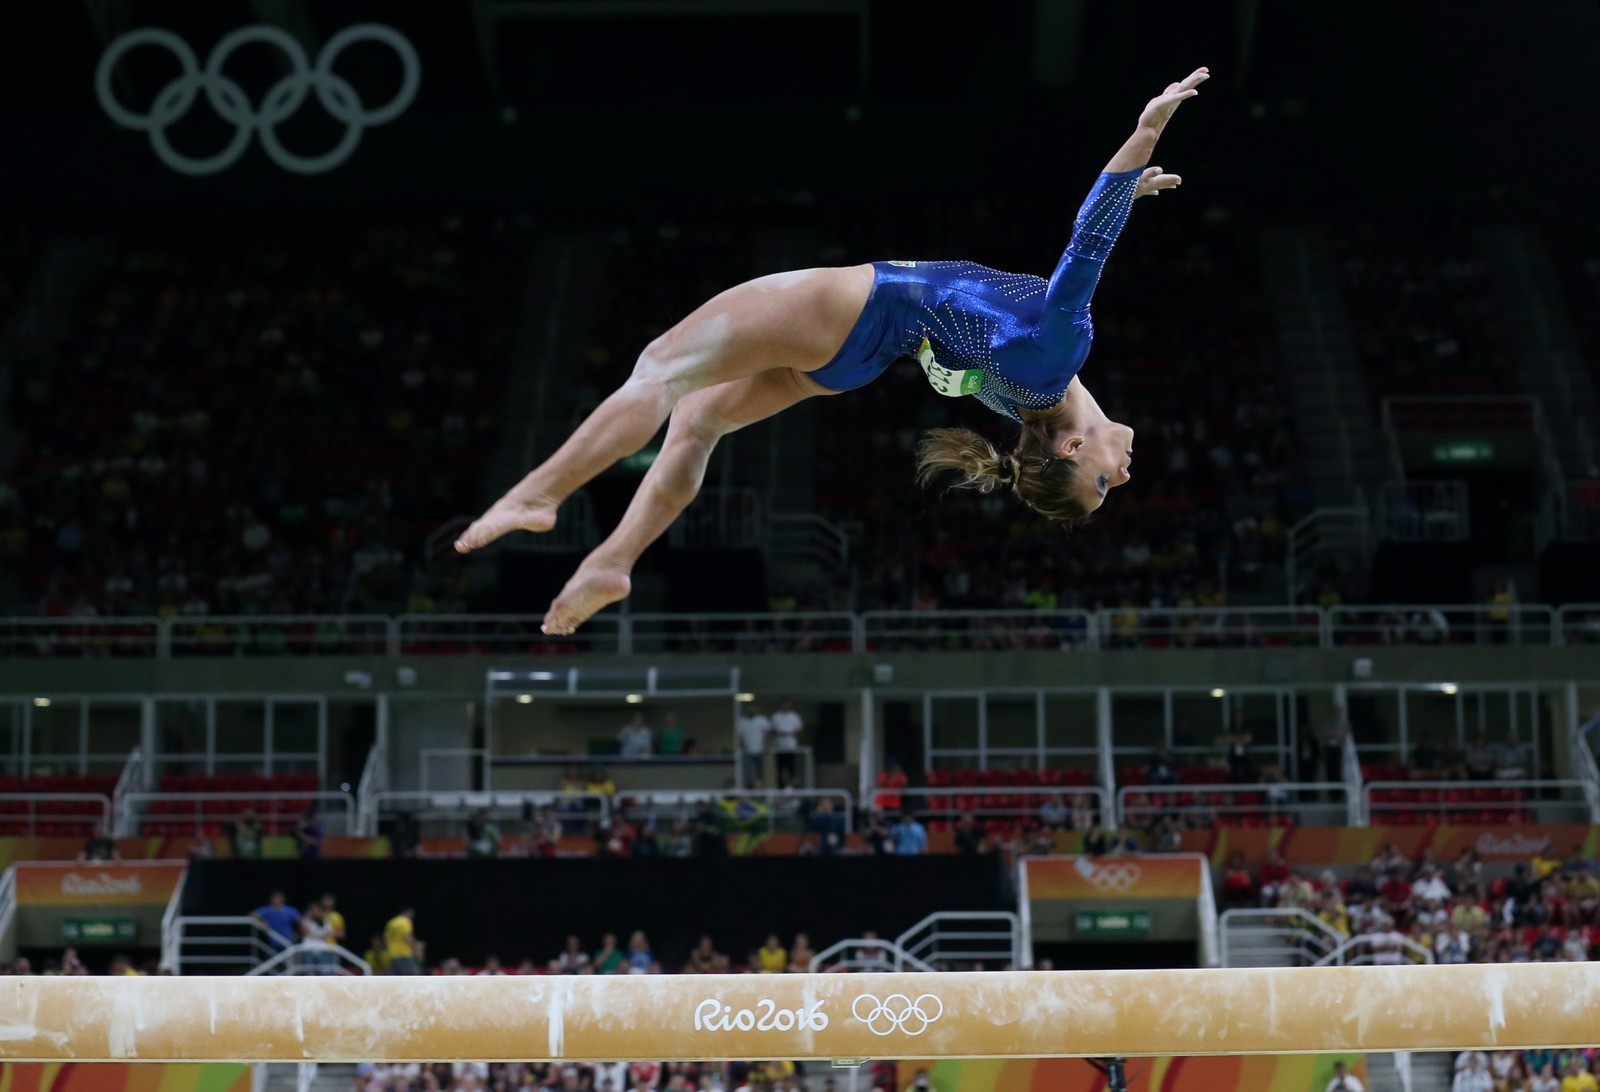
[[318, 1077], [1548, 358], [1338, 437]]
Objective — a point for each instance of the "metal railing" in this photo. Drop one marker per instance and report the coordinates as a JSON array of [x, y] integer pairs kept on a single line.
[[1274, 937], [787, 810], [32, 809], [374, 780], [986, 803], [1362, 951], [213, 944], [312, 957], [866, 954], [1498, 801], [1475, 624], [8, 900], [614, 632], [1342, 532], [579, 809], [223, 807], [135, 777], [1424, 511], [1309, 803], [948, 937], [967, 631]]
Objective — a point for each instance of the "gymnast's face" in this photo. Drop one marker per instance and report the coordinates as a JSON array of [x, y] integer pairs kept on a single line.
[[1101, 448]]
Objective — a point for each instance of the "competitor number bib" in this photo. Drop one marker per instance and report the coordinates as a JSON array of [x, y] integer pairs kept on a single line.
[[947, 381]]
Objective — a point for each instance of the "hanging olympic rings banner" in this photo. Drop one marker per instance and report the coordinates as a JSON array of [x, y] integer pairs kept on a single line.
[[44, 884], [1091, 879], [283, 100]]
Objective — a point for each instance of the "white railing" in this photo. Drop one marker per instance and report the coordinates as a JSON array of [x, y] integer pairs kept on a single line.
[[228, 806], [312, 957], [1340, 531], [1004, 802], [374, 780], [944, 938], [785, 808], [1274, 937], [8, 900], [1424, 511], [1475, 624], [170, 933], [866, 954], [55, 808], [237, 942], [1309, 803], [135, 777], [1206, 909], [1362, 951], [613, 632], [1583, 761], [457, 806], [971, 630], [1505, 801]]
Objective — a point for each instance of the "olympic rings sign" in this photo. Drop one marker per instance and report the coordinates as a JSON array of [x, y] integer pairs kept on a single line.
[[1111, 876], [282, 100], [897, 1012]]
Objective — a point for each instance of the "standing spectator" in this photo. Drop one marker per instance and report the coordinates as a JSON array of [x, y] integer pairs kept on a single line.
[[752, 728], [1238, 889], [1480, 759], [1331, 734], [710, 831], [335, 920], [483, 835], [407, 837], [1274, 877], [281, 920], [786, 728], [315, 932], [1474, 1077], [1053, 813], [400, 941], [245, 836], [909, 836], [1453, 946], [99, 847], [969, 836], [1162, 769], [826, 824], [635, 738], [876, 833], [308, 836], [1343, 1080], [1545, 1080]]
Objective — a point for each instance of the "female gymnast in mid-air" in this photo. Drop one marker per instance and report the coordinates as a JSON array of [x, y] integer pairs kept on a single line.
[[1015, 342]]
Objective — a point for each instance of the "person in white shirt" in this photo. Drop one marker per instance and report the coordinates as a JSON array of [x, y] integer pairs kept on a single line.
[[1432, 886], [1343, 1080], [635, 738], [1464, 1059], [1475, 1077], [1453, 946], [752, 728], [786, 726]]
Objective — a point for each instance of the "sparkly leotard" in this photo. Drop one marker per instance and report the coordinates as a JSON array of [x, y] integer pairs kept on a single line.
[[1011, 340]]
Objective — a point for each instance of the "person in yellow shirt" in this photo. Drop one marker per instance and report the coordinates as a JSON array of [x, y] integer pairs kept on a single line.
[[1579, 1079], [772, 957], [1544, 863], [600, 782], [377, 955], [400, 941], [333, 919]]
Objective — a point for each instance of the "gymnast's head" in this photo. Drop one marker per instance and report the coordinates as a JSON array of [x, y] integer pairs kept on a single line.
[[1063, 466]]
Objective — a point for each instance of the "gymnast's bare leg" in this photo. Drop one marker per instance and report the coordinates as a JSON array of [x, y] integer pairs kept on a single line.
[[794, 320], [698, 422]]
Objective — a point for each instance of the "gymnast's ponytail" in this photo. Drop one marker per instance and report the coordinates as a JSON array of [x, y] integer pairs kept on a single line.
[[1042, 480]]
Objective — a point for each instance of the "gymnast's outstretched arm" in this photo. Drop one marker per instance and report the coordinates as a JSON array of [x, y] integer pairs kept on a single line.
[[1104, 212]]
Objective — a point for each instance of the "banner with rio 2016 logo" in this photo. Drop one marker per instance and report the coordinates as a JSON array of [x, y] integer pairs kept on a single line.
[[44, 884]]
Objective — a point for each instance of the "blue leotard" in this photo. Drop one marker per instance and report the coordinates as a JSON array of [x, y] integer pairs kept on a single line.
[[1012, 340]]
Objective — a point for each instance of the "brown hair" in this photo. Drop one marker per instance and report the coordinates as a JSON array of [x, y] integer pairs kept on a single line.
[[1042, 479]]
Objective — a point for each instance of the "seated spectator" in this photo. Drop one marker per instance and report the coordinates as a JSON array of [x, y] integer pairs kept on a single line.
[[710, 831], [1084, 812], [1453, 945], [1053, 813], [1431, 886], [308, 835], [1162, 768], [875, 833], [772, 957], [1166, 836], [491, 966], [600, 782], [377, 955], [826, 825], [1238, 889], [1513, 759], [281, 920], [800, 954], [1388, 860], [1331, 912], [573, 959], [968, 836], [1274, 876], [639, 956], [483, 835], [245, 835], [635, 739], [1480, 759], [99, 847], [705, 959], [1468, 916], [609, 959]]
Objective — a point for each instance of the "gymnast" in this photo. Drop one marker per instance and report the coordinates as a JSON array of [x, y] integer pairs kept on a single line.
[[1014, 342]]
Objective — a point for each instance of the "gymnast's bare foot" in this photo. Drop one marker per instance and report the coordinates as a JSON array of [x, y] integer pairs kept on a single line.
[[591, 588], [533, 512]]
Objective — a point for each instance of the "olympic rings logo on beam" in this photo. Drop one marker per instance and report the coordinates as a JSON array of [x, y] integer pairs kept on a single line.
[[897, 1012], [281, 101]]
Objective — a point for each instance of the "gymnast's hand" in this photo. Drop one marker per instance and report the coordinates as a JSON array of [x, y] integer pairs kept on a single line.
[[1153, 180], [1160, 109]]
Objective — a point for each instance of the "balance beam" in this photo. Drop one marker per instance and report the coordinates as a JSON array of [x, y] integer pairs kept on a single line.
[[1027, 1014]]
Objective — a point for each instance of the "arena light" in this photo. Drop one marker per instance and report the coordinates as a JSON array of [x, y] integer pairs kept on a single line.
[[744, 697], [992, 1014], [634, 699], [1449, 688], [42, 703], [524, 699], [1217, 692]]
